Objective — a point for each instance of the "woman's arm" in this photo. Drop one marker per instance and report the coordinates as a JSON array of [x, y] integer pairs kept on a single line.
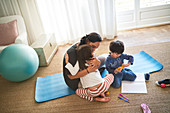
[[74, 70], [83, 72]]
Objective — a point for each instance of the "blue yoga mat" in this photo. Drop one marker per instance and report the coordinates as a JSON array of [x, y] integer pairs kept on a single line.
[[53, 86], [143, 63]]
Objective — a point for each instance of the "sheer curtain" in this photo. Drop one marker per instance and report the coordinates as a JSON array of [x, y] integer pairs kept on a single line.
[[72, 19], [68, 19]]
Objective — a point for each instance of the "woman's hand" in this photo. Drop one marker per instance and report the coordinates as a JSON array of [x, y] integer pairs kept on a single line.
[[94, 63], [83, 72], [92, 68], [66, 58]]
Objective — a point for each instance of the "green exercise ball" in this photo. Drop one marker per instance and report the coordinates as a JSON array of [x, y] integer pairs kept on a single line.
[[18, 62]]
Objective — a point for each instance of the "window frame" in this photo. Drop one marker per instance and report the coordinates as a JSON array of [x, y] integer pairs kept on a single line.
[[143, 17]]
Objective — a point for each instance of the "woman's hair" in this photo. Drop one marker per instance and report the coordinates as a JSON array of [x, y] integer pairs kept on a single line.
[[117, 47], [84, 53], [92, 37]]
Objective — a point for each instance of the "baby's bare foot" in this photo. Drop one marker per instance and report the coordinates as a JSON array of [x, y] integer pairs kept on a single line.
[[104, 99]]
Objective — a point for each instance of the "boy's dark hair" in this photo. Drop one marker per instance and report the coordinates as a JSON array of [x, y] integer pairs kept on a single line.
[[92, 37], [117, 47], [84, 52]]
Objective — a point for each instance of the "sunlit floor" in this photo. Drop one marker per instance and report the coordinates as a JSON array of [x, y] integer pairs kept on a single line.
[[145, 36]]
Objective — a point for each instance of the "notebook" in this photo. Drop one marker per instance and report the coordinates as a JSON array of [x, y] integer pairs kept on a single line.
[[137, 86]]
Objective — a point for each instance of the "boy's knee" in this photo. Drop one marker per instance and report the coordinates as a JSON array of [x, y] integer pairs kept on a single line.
[[130, 77], [133, 77], [116, 85]]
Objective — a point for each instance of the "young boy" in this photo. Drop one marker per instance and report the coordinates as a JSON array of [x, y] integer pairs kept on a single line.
[[115, 64]]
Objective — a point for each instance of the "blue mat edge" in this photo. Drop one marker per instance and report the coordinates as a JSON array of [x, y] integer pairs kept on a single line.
[[39, 101], [154, 59]]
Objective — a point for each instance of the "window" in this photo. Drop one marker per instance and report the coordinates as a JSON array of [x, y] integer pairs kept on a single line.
[[150, 3], [141, 13], [124, 5]]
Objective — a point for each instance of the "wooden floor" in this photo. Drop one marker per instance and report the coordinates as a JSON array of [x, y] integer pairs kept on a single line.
[[19, 97], [145, 36]]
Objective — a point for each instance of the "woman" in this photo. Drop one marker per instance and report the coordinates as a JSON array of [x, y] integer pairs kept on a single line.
[[93, 84], [92, 39]]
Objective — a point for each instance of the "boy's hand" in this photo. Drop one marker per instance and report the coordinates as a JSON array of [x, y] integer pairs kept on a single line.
[[126, 65], [118, 70]]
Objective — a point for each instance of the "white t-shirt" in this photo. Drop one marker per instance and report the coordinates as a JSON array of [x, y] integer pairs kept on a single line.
[[89, 80]]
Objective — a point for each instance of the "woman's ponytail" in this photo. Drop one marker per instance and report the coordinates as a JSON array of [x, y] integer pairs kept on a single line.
[[92, 37], [83, 40]]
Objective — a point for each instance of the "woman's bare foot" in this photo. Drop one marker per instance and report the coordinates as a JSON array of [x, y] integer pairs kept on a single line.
[[104, 99]]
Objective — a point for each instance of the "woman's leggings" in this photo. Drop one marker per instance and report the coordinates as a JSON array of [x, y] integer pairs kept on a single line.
[[89, 94], [102, 60]]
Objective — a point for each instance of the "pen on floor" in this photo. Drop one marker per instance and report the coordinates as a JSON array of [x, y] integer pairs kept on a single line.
[[124, 99]]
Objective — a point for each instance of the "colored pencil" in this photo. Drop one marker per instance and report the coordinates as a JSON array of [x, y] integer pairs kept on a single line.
[[124, 99]]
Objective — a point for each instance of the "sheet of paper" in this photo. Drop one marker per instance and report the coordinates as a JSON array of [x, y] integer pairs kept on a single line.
[[140, 77], [137, 86]]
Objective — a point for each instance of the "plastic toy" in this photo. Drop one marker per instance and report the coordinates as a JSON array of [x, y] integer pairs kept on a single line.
[[107, 93], [145, 108], [164, 85], [121, 67]]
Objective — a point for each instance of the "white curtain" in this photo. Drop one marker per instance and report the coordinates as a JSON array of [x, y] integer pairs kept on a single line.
[[68, 19], [28, 10], [72, 19]]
